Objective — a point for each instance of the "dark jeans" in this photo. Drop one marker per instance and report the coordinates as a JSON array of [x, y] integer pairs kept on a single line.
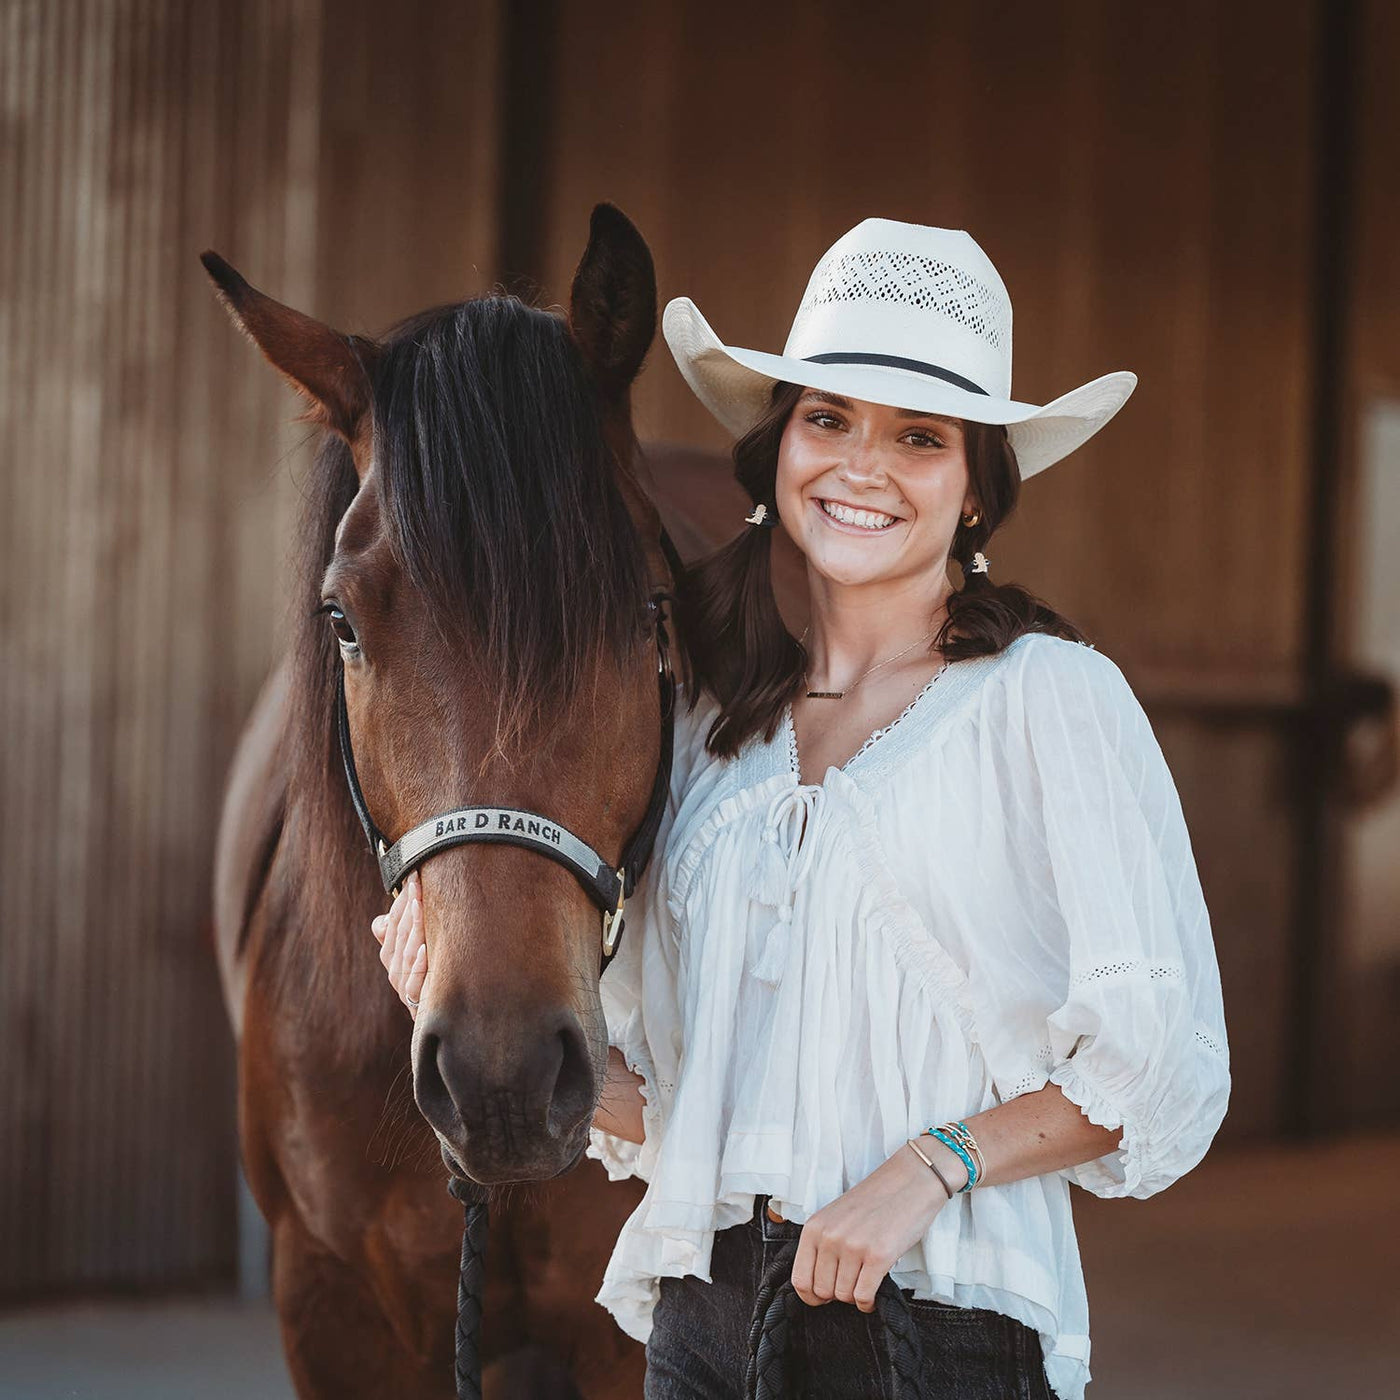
[[699, 1342]]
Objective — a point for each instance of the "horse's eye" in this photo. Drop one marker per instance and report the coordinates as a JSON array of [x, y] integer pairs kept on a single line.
[[340, 625], [342, 628]]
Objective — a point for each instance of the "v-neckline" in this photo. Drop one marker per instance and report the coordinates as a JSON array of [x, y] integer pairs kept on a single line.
[[794, 758]]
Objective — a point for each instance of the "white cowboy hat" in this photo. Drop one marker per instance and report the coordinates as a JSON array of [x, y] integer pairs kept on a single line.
[[904, 315]]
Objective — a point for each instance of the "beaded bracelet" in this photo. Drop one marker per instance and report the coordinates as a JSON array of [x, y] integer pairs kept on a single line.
[[958, 1137]]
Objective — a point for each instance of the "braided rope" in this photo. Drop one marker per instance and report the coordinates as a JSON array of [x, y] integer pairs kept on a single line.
[[777, 1307], [471, 1288]]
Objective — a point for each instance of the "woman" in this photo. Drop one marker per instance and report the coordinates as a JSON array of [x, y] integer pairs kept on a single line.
[[924, 941]]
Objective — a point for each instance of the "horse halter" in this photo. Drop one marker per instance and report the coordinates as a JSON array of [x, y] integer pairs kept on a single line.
[[519, 826]]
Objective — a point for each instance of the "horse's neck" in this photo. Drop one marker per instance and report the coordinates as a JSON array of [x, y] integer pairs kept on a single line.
[[316, 958]]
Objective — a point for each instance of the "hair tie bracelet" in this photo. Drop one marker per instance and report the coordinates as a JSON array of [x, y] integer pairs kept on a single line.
[[762, 516], [929, 1163]]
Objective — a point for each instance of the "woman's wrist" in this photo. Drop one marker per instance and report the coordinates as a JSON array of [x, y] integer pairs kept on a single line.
[[945, 1159]]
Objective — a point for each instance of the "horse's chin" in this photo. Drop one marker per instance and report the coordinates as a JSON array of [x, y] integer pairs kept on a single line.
[[491, 1176]]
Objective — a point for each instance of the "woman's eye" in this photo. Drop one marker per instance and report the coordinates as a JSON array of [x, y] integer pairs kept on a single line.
[[823, 419], [925, 440]]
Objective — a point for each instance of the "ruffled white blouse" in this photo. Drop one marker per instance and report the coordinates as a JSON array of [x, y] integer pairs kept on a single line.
[[997, 891]]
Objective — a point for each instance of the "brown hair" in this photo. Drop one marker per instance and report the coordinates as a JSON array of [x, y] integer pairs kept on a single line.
[[739, 648]]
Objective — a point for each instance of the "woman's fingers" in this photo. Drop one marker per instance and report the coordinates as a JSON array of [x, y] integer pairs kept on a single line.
[[409, 939], [406, 959], [415, 959], [393, 927]]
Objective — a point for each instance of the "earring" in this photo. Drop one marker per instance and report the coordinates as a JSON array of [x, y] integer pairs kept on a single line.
[[971, 518]]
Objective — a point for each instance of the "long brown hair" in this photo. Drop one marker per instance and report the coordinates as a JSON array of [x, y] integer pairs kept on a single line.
[[743, 654]]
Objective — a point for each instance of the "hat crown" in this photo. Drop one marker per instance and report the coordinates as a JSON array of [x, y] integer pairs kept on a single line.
[[924, 295]]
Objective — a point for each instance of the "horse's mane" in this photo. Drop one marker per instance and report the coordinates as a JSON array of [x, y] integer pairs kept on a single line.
[[500, 505]]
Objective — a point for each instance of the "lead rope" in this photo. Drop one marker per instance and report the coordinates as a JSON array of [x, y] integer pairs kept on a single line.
[[471, 1287], [775, 1313]]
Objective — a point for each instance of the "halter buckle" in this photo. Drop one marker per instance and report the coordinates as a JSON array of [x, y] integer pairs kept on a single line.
[[612, 918], [396, 890]]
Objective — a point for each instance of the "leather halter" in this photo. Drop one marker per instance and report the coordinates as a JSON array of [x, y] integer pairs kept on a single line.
[[607, 887]]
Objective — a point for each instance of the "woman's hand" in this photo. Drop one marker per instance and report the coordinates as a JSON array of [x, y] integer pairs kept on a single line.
[[848, 1247], [620, 1105], [402, 949]]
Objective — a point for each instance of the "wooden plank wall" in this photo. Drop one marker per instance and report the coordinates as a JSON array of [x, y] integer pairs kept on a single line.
[[141, 504], [1144, 181], [1368, 943]]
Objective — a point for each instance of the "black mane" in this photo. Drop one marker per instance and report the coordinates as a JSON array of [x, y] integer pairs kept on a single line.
[[500, 505], [500, 500]]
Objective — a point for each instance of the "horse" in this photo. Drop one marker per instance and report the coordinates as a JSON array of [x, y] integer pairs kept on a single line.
[[479, 536]]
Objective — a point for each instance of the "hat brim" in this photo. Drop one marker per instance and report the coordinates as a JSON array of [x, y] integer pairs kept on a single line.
[[736, 386]]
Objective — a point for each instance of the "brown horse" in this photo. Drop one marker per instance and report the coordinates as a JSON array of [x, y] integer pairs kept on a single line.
[[477, 521]]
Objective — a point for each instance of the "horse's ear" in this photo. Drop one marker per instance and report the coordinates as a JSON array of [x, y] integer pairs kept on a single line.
[[324, 366], [612, 308]]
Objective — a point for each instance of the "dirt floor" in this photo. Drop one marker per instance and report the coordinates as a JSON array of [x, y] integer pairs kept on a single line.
[[1267, 1272]]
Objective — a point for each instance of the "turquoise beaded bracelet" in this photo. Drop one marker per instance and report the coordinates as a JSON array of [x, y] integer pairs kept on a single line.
[[948, 1140]]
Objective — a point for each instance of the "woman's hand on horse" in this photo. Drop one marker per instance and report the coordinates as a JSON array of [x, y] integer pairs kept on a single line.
[[401, 947]]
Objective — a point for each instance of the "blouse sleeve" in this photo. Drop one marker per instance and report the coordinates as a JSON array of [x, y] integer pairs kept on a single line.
[[1132, 1013], [639, 990]]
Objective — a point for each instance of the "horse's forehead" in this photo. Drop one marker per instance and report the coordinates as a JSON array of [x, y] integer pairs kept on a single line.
[[361, 527]]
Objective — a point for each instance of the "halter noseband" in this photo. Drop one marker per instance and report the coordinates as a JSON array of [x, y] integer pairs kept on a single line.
[[608, 888]]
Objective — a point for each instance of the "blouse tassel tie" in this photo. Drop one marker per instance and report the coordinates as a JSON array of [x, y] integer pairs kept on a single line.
[[784, 860]]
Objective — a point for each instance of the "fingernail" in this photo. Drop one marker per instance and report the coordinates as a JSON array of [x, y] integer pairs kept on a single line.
[[421, 956], [417, 909]]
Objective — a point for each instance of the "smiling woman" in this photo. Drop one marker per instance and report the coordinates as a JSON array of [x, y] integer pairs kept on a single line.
[[871, 494]]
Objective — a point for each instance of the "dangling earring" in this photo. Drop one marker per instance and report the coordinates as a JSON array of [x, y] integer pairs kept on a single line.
[[971, 518]]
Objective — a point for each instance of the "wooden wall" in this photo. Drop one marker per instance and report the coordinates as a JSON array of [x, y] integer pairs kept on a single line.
[[1366, 945], [1148, 180], [141, 506]]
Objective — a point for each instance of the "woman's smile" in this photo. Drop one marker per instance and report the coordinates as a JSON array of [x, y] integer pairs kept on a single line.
[[856, 520]]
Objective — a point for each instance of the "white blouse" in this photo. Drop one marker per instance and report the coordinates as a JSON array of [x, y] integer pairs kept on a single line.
[[997, 891]]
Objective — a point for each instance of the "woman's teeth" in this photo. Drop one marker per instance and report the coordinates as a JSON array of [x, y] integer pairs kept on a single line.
[[864, 519]]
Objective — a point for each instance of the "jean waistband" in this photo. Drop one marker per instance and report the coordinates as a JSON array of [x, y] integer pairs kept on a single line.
[[769, 1228]]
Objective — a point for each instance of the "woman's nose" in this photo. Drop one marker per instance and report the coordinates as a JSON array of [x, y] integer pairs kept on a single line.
[[863, 465]]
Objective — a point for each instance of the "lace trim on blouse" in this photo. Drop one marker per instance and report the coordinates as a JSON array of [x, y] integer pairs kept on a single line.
[[872, 739]]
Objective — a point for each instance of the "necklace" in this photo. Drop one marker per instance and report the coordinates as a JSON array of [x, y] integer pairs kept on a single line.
[[838, 694]]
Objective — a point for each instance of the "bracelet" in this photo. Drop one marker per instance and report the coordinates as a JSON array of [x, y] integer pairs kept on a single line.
[[914, 1143], [963, 1134], [958, 1137]]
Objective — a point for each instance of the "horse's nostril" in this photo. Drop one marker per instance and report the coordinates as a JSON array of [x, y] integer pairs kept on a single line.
[[573, 1089], [430, 1089]]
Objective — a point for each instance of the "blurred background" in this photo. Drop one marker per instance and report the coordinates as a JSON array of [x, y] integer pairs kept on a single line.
[[1201, 192]]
